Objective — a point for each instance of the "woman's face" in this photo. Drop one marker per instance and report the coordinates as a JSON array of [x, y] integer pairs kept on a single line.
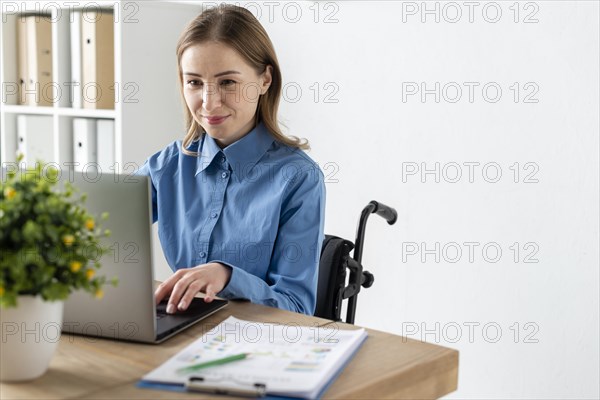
[[221, 90]]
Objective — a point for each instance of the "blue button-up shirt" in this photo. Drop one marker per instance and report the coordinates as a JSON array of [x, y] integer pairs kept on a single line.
[[257, 206]]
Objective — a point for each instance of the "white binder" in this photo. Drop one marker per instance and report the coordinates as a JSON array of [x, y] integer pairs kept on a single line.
[[34, 44], [98, 62], [84, 145], [22, 55], [35, 138], [105, 133], [76, 59]]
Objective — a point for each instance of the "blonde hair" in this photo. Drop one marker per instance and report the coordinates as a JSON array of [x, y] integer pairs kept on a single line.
[[237, 28]]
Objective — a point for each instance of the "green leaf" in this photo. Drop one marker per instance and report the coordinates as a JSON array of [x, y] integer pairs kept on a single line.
[[34, 260]]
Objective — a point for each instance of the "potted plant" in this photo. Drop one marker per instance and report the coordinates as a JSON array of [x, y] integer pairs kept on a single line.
[[49, 247]]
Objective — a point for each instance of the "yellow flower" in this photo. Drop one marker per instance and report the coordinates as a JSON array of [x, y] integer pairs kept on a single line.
[[90, 274], [1, 291], [9, 192], [90, 224], [75, 266], [99, 294], [68, 240]]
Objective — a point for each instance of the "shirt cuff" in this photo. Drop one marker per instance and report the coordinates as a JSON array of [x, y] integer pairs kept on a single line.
[[233, 289]]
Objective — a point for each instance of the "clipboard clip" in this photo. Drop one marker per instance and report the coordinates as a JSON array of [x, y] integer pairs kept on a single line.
[[199, 384]]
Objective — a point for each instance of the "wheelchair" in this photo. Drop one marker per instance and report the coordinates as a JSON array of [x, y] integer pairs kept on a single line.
[[335, 261]]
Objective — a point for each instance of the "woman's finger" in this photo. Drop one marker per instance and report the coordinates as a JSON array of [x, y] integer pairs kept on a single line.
[[178, 291], [191, 291], [210, 293], [165, 288]]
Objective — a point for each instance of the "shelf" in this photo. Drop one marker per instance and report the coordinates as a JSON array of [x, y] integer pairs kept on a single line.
[[148, 114], [12, 109], [60, 111], [82, 112]]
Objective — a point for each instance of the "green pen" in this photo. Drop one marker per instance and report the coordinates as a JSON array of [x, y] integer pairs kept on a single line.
[[219, 361]]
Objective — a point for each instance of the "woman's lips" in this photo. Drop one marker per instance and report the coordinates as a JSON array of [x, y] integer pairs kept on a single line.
[[216, 120]]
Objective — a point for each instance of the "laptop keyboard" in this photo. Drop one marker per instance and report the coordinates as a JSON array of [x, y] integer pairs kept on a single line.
[[160, 314], [161, 310], [197, 310], [197, 307]]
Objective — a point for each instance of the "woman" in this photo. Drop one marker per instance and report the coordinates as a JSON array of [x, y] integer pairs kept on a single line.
[[240, 206]]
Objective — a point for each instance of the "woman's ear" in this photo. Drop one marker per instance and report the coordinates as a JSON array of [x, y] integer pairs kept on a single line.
[[267, 78]]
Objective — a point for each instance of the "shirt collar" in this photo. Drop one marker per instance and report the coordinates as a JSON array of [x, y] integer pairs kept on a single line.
[[207, 149], [241, 155]]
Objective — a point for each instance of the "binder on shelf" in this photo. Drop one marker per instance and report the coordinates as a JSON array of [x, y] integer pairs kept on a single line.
[[105, 134], [34, 48], [22, 66], [84, 145], [35, 138], [76, 60], [98, 59]]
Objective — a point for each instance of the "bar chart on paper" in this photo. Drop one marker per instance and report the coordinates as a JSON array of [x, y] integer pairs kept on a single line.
[[289, 360]]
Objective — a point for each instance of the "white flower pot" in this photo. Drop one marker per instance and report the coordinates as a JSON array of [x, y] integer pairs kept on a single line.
[[29, 336]]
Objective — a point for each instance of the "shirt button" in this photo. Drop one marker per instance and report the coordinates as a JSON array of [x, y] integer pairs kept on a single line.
[[214, 215], [203, 254], [223, 159], [224, 175]]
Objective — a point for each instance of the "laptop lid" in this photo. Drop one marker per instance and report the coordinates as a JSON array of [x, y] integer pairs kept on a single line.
[[127, 311]]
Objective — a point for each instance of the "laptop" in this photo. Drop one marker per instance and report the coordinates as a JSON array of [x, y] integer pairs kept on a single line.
[[127, 311]]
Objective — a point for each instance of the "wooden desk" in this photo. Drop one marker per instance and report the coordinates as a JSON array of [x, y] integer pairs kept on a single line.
[[386, 366]]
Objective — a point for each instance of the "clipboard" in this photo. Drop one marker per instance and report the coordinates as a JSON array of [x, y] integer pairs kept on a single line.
[[238, 378], [200, 384], [184, 389]]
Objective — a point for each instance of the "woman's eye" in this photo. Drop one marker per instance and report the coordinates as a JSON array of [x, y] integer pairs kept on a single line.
[[227, 82], [193, 82]]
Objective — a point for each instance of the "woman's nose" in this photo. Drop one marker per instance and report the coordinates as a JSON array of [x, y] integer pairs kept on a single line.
[[211, 98]]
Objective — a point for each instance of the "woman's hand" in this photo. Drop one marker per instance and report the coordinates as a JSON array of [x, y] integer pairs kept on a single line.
[[209, 278]]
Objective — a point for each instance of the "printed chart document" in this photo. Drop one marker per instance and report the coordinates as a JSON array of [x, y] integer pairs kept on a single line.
[[287, 360]]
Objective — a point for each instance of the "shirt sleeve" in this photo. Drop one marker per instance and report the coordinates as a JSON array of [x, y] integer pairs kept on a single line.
[[291, 281], [153, 168], [145, 170]]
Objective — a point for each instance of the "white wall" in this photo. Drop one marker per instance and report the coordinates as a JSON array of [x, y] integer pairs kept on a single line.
[[371, 132], [547, 311]]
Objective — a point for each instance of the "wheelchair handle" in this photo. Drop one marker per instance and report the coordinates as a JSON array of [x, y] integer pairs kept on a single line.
[[357, 278], [374, 207], [386, 212]]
